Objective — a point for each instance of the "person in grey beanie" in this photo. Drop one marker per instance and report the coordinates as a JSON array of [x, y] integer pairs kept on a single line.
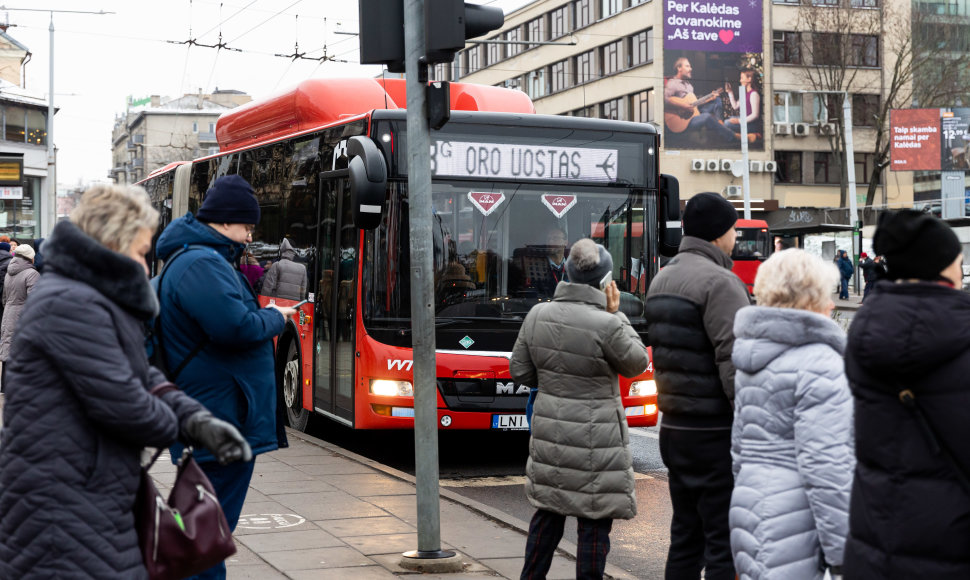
[[690, 311], [579, 463]]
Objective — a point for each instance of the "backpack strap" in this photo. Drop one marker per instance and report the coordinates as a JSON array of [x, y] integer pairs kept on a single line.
[[937, 447], [157, 327]]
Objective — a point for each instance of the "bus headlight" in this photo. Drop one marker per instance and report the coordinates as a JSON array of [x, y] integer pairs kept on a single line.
[[643, 388], [386, 388]]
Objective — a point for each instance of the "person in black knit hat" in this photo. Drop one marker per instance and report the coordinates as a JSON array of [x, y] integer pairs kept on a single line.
[[907, 361], [690, 312]]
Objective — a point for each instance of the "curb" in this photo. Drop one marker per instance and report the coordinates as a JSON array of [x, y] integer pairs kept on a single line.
[[565, 548]]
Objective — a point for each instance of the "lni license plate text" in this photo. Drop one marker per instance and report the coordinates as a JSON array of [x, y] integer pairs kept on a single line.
[[514, 422]]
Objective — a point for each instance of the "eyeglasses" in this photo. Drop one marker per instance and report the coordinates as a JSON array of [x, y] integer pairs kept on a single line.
[[250, 229]]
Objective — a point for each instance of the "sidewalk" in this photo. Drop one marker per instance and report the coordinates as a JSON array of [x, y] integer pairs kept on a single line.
[[317, 511]]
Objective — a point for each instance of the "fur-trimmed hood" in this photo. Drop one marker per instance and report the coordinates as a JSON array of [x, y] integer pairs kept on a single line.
[[73, 254]]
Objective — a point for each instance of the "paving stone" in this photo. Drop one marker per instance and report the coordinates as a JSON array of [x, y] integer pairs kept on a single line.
[[362, 485], [278, 487], [561, 569], [363, 526], [328, 505], [335, 468], [316, 559], [290, 475], [355, 573], [383, 544], [261, 571], [483, 540], [290, 540]]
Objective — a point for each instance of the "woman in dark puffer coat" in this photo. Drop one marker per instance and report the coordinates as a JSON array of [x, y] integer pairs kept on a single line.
[[909, 516], [78, 406]]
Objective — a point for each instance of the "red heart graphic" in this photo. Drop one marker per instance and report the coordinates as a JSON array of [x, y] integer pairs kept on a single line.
[[726, 36]]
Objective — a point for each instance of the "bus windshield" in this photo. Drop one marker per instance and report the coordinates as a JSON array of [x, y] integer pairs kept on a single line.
[[751, 244], [500, 248]]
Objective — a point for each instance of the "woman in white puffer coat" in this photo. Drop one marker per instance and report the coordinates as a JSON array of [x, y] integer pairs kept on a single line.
[[792, 441]]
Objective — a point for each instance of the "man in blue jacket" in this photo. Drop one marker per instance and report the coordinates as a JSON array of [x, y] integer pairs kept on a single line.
[[206, 300]]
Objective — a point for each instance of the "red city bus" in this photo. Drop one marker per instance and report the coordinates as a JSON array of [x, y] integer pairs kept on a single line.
[[328, 164], [752, 247]]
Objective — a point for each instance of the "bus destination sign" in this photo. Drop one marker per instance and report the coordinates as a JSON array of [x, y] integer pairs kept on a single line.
[[506, 161]]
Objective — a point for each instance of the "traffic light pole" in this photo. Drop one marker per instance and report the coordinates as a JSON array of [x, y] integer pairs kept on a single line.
[[429, 556]]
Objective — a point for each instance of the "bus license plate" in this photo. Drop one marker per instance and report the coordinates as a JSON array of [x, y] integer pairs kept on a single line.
[[516, 422]]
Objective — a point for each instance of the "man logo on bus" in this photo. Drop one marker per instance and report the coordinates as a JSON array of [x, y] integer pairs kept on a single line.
[[558, 204], [486, 202], [509, 388]]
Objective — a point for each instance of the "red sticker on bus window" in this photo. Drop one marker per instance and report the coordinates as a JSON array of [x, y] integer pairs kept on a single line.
[[486, 202], [558, 204]]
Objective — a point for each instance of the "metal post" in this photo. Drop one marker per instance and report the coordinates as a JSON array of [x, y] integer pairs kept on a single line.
[[422, 295], [850, 174], [47, 212], [745, 176]]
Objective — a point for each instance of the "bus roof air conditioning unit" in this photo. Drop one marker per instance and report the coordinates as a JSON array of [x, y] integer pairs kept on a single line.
[[826, 129], [732, 191], [755, 166], [713, 165], [726, 165], [801, 129], [782, 128], [771, 166], [697, 165]]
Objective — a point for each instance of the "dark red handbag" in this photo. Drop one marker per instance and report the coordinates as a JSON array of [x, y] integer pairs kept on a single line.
[[188, 533]]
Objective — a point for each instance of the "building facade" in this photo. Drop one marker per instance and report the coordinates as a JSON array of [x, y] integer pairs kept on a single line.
[[614, 62], [148, 137]]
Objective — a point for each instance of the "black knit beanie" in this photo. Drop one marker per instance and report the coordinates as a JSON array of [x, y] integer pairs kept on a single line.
[[589, 272], [230, 200], [708, 216], [915, 244]]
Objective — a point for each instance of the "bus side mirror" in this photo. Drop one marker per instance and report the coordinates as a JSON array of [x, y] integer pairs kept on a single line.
[[669, 212], [368, 181]]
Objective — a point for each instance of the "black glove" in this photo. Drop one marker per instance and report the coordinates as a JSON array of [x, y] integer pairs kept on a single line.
[[222, 439]]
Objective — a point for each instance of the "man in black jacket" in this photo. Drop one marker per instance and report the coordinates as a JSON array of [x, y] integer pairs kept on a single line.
[[690, 308]]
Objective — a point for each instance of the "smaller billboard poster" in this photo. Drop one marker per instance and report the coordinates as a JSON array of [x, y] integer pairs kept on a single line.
[[955, 138], [915, 139]]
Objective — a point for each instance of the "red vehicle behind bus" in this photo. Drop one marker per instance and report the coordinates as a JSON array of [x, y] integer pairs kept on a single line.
[[750, 249], [328, 164]]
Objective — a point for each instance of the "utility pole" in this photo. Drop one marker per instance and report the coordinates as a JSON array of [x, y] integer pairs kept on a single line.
[[746, 175]]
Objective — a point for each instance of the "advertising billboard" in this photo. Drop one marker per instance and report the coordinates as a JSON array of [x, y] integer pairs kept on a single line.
[[710, 48], [929, 139]]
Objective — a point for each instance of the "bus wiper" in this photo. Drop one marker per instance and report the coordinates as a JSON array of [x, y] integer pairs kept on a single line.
[[450, 320]]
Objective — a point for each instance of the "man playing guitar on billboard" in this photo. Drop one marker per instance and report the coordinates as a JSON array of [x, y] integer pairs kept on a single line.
[[683, 111]]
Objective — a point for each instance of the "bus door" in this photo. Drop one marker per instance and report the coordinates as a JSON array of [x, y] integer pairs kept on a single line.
[[335, 307]]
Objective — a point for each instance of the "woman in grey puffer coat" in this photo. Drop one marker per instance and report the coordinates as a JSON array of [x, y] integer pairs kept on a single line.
[[17, 285], [286, 278], [792, 441]]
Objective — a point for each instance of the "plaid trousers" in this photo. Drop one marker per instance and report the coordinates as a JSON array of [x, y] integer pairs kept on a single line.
[[546, 530]]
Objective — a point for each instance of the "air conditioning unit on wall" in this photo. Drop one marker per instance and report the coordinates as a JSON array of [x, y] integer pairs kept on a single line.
[[726, 164], [782, 128], [713, 165], [801, 129], [771, 166], [697, 165], [733, 191], [826, 129], [755, 166]]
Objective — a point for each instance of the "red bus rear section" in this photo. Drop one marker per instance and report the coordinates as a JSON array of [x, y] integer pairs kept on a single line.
[[752, 247]]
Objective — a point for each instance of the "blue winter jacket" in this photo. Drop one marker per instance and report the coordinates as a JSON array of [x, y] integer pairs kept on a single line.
[[204, 294], [845, 266]]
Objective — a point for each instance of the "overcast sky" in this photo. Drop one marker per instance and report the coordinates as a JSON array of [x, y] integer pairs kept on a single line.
[[99, 60]]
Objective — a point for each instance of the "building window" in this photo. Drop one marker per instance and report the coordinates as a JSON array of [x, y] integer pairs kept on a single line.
[[441, 71], [584, 67], [494, 52], [788, 107], [826, 169], [589, 112], [612, 109], [456, 68], [827, 48], [641, 106], [195, 126], [826, 109], [513, 83], [787, 47], [513, 36], [560, 75], [212, 127], [474, 59], [795, 2], [865, 110], [610, 7], [583, 13], [865, 3], [789, 167], [825, 2], [641, 48], [558, 22], [37, 127], [537, 83], [536, 29], [610, 60], [864, 50], [637, 2]]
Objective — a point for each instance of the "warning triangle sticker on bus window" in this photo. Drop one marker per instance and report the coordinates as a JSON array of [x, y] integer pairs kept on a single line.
[[558, 204], [486, 202]]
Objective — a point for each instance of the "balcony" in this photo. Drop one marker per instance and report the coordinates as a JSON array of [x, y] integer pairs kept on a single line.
[[207, 138], [138, 162]]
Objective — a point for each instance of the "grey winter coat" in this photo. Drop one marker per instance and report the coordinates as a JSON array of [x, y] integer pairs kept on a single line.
[[286, 278], [17, 284], [572, 349], [792, 445]]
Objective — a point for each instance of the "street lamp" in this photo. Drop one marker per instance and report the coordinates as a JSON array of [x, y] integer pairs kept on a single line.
[[850, 175]]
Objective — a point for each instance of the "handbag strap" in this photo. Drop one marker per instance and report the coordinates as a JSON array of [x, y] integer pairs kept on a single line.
[[908, 399]]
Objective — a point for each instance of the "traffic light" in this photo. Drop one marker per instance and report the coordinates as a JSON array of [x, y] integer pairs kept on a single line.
[[382, 33], [448, 23]]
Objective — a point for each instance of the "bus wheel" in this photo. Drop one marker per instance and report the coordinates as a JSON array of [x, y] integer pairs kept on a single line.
[[297, 416]]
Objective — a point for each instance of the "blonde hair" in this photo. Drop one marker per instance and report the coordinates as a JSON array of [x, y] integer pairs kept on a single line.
[[793, 278], [114, 214]]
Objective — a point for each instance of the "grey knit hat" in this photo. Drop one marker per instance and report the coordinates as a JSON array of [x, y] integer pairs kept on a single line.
[[588, 263]]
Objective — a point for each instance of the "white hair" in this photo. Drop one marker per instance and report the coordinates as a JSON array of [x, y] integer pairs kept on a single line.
[[793, 278], [585, 255], [114, 214]]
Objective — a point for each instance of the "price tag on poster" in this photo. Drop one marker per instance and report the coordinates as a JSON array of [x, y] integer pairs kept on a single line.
[[558, 204], [486, 202]]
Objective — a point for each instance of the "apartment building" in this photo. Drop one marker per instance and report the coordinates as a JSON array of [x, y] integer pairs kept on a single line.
[[611, 60], [153, 134]]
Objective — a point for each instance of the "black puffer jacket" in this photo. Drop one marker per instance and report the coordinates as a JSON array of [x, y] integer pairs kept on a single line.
[[77, 414], [909, 516]]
